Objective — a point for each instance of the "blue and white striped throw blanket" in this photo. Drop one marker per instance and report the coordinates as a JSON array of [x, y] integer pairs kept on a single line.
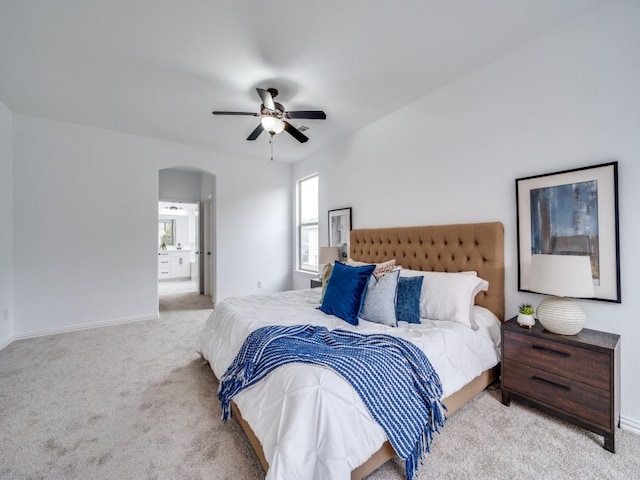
[[393, 377]]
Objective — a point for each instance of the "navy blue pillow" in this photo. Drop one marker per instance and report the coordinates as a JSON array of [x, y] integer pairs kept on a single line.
[[345, 291], [408, 299]]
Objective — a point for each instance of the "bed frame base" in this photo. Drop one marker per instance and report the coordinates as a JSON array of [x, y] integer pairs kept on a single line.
[[386, 452], [253, 440]]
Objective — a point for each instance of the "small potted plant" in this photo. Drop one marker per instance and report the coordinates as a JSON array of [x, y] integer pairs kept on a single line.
[[525, 315]]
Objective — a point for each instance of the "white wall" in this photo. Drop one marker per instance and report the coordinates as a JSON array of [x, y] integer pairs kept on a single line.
[[85, 223], [179, 185], [569, 99], [6, 220]]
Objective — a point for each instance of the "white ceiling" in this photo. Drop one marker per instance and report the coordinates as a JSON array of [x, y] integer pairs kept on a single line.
[[159, 67]]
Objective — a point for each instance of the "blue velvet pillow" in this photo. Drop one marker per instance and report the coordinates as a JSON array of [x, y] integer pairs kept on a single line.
[[345, 291], [408, 299]]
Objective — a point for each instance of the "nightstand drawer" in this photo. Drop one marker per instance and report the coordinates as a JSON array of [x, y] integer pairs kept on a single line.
[[574, 398], [580, 364]]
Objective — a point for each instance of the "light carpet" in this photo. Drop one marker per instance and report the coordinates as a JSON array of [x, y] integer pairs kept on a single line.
[[136, 402]]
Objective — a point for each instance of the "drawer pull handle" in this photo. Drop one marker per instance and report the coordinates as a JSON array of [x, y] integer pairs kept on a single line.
[[549, 382], [551, 351]]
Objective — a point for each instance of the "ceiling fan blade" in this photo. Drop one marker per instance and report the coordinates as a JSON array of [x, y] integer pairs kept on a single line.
[[218, 112], [267, 99], [297, 134], [256, 133], [310, 114]]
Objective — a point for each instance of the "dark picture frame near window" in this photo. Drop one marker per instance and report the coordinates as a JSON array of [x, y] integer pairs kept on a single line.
[[572, 212], [339, 230]]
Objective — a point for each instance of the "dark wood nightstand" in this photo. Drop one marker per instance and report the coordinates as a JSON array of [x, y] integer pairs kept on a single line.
[[574, 377], [316, 283]]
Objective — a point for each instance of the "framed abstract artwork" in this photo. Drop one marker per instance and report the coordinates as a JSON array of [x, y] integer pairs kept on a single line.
[[339, 230], [573, 212]]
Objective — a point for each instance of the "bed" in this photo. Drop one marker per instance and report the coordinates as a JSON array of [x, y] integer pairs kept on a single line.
[[307, 422]]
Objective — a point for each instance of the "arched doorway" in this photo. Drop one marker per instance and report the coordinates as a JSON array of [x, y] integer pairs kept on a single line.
[[186, 236]]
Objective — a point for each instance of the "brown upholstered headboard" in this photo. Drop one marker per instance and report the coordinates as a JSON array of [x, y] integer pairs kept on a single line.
[[442, 248]]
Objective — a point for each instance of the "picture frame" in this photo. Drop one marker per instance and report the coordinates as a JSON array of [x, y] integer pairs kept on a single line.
[[339, 230], [572, 212]]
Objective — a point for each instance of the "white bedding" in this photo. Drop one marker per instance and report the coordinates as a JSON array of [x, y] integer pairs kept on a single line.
[[310, 421]]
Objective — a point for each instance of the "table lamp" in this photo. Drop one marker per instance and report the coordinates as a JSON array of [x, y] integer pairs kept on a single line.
[[562, 276], [326, 256]]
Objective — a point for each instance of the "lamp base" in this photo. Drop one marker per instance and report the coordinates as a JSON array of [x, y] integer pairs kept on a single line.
[[561, 315]]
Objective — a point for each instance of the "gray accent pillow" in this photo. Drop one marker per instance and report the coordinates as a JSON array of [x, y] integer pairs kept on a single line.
[[380, 299]]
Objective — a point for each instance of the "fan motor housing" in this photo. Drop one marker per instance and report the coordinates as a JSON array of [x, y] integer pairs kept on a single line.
[[279, 111]]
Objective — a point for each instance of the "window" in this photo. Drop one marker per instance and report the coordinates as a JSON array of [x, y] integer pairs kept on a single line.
[[308, 224], [166, 229]]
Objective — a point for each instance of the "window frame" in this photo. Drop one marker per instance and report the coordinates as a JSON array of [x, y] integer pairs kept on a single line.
[[300, 266]]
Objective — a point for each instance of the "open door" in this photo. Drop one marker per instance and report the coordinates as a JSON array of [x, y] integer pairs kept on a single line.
[[201, 246], [208, 249]]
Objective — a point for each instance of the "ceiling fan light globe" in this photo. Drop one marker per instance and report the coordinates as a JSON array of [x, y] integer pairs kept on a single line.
[[273, 125]]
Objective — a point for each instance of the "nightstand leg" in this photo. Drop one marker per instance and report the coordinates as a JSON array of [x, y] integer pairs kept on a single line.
[[506, 400], [610, 443]]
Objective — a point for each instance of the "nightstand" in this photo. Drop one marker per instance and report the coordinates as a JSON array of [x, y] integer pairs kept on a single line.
[[316, 283], [573, 377]]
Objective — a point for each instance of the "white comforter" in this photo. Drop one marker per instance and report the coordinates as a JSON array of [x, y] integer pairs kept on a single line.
[[310, 421]]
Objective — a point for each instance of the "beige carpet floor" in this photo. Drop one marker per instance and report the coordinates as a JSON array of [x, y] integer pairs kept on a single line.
[[136, 402]]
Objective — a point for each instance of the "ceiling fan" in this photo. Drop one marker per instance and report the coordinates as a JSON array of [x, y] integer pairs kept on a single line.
[[274, 116]]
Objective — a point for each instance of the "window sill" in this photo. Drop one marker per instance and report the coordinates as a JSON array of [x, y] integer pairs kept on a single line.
[[307, 273]]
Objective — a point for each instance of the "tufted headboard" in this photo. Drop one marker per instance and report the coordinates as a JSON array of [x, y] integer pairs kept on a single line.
[[441, 248]]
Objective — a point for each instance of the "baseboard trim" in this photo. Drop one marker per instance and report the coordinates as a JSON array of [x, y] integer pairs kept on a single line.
[[84, 326], [6, 342], [630, 424]]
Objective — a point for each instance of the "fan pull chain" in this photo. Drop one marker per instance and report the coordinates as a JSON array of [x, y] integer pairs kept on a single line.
[[271, 142]]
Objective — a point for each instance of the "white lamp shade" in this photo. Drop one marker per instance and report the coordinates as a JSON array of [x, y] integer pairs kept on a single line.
[[561, 275], [328, 255], [273, 125]]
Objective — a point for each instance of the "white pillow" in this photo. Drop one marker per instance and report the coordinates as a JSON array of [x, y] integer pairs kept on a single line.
[[449, 296]]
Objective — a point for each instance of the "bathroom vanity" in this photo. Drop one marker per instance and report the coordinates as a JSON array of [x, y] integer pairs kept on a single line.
[[174, 264]]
